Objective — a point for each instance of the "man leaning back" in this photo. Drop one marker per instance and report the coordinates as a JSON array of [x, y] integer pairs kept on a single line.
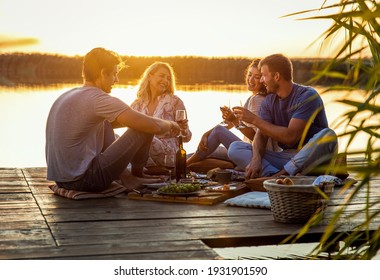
[[293, 115]]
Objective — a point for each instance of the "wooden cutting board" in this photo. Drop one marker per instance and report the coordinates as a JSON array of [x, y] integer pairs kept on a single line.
[[203, 197], [256, 184]]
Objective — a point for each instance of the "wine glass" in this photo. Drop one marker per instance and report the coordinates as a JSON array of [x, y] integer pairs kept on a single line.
[[224, 123], [169, 164], [180, 115], [241, 123]]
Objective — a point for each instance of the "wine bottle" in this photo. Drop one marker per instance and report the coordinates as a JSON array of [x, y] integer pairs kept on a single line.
[[180, 163]]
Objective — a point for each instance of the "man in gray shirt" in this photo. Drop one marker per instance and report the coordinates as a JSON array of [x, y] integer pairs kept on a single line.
[[81, 150]]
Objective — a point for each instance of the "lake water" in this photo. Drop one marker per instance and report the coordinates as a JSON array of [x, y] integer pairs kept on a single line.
[[23, 113]]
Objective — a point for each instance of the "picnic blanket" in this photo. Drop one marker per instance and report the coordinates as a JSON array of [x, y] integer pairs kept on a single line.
[[112, 190]]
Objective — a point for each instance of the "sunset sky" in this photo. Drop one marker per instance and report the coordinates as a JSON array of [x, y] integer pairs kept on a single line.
[[162, 27]]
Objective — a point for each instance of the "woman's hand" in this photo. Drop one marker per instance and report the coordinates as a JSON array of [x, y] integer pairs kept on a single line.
[[183, 125], [227, 114]]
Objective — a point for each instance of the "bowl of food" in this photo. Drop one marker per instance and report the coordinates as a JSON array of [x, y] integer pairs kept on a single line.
[[223, 176]]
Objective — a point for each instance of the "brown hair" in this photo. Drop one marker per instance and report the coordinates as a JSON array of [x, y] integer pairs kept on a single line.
[[279, 63], [255, 63], [98, 59]]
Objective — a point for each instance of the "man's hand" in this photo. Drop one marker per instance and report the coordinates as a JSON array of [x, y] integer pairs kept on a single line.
[[244, 114], [174, 128], [253, 169]]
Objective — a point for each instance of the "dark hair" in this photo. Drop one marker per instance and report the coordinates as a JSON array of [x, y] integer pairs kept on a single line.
[[98, 59], [255, 63], [279, 63]]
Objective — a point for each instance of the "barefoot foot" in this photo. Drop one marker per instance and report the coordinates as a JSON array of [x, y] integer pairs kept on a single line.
[[133, 182]]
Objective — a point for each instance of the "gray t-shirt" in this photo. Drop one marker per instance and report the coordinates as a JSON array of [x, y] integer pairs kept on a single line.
[[75, 130]]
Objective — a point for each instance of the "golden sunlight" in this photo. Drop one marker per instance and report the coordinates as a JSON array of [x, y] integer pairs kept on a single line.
[[161, 28]]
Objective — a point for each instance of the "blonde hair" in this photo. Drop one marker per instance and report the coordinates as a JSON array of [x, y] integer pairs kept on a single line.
[[143, 91]]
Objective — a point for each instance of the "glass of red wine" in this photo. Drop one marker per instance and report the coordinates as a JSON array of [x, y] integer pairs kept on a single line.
[[180, 116]]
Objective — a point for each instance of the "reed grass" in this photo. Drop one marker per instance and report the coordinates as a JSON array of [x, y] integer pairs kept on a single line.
[[357, 22]]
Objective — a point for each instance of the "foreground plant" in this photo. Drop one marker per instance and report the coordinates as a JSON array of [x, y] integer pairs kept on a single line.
[[356, 68]]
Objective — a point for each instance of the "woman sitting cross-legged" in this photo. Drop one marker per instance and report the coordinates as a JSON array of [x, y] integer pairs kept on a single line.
[[209, 145], [156, 97]]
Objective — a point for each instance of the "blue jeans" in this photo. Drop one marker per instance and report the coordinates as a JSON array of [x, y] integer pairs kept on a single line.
[[219, 135], [320, 149], [132, 147]]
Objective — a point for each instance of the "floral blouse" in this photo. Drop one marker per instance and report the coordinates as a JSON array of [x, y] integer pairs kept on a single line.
[[166, 143]]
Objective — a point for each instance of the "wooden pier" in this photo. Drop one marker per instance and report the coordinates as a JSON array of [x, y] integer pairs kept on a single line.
[[36, 224]]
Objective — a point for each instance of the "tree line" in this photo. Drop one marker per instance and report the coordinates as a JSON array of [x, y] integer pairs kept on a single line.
[[44, 69]]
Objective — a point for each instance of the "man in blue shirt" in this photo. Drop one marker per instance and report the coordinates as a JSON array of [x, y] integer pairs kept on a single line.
[[293, 115]]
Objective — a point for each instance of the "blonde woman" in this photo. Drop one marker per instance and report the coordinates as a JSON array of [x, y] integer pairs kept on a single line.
[[156, 98]]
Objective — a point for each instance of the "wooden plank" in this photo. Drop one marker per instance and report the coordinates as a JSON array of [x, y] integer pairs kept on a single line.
[[178, 229], [10, 173], [225, 232], [181, 255], [25, 235], [13, 189], [36, 242], [38, 190], [111, 226], [18, 205], [12, 181], [137, 250], [35, 172], [22, 217], [68, 216], [23, 225], [15, 198], [31, 211], [164, 230]]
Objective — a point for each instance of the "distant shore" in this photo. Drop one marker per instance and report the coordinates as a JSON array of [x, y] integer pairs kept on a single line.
[[43, 69]]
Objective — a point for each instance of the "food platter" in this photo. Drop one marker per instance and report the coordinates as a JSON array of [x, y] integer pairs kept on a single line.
[[180, 189], [179, 194], [156, 185]]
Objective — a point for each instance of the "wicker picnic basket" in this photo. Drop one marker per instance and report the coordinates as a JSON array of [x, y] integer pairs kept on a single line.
[[296, 203]]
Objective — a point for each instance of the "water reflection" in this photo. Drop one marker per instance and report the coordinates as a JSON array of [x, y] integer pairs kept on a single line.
[[23, 113]]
